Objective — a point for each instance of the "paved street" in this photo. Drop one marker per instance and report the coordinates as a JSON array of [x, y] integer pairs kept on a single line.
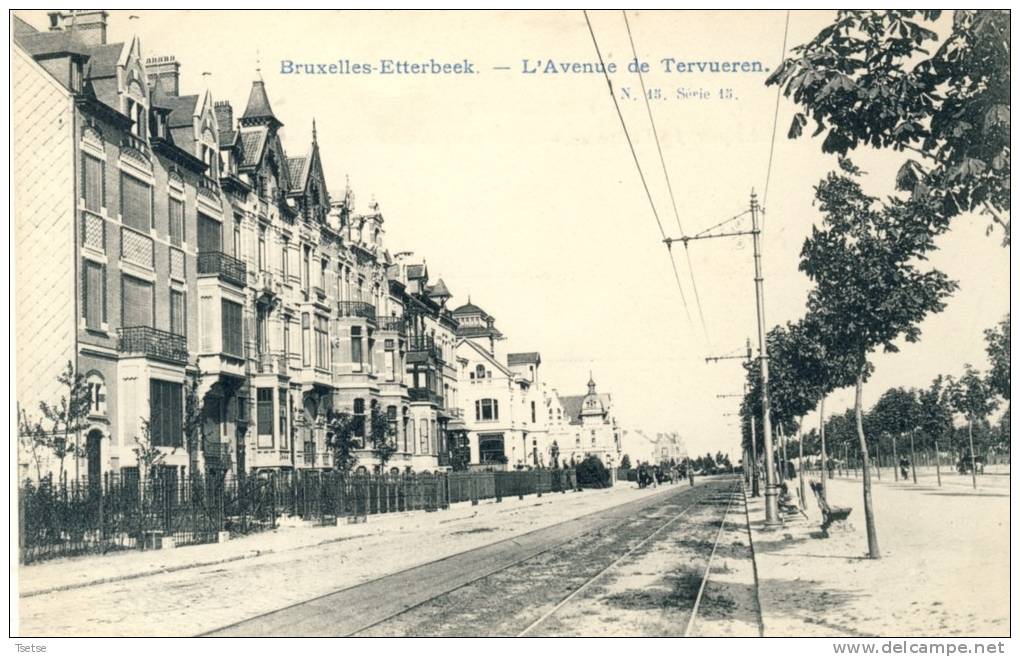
[[633, 570], [494, 569]]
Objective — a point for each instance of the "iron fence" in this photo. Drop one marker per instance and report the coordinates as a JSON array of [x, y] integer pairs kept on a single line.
[[122, 512]]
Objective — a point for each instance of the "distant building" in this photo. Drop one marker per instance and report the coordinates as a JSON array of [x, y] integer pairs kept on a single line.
[[591, 429]]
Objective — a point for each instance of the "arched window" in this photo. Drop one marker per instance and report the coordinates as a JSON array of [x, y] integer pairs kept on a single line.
[[480, 372], [97, 393]]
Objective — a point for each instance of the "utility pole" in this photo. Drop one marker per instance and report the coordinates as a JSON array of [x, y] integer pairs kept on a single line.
[[771, 485]]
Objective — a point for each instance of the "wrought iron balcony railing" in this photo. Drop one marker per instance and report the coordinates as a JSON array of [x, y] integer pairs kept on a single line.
[[425, 395], [227, 267], [390, 324], [153, 343], [421, 348], [356, 309]]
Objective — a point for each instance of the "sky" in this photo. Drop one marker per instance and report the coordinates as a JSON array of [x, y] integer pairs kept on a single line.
[[520, 191]]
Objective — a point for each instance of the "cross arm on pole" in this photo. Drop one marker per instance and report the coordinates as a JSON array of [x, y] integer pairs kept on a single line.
[[690, 238]]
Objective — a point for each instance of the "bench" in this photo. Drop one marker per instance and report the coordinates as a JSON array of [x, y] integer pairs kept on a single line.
[[830, 515]]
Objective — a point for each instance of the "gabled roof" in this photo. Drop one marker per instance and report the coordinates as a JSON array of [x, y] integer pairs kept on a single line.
[[487, 356], [298, 169], [524, 358], [20, 28], [573, 404], [253, 142], [439, 290], [41, 44], [258, 109]]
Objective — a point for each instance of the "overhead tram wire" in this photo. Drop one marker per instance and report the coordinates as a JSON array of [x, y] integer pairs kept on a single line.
[[637, 163], [669, 184], [775, 123]]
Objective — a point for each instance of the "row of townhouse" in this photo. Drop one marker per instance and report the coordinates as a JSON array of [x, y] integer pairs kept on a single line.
[[163, 239]]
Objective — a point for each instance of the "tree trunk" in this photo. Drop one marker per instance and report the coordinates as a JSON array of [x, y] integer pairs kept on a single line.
[[826, 474], [800, 464], [895, 461], [938, 470], [869, 511], [970, 438]]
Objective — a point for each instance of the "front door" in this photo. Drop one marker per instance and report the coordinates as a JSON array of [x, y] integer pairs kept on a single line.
[[241, 470], [93, 451]]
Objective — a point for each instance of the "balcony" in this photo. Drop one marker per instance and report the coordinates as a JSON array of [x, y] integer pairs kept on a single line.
[[425, 395], [421, 349], [271, 364], [153, 343], [359, 309], [395, 324], [227, 268]]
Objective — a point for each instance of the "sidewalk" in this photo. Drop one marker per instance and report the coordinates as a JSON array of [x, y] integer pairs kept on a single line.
[[262, 572], [944, 569]]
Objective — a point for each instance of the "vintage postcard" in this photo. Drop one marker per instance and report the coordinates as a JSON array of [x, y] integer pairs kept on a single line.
[[574, 323]]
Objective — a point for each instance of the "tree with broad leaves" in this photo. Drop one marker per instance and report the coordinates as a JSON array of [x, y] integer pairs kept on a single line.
[[340, 427], [625, 462], [34, 440], [383, 436], [869, 288], [68, 417], [887, 79], [971, 396], [936, 412], [998, 347]]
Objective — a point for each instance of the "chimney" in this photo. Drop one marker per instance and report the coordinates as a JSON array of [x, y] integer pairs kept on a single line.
[[88, 24], [224, 115], [164, 74]]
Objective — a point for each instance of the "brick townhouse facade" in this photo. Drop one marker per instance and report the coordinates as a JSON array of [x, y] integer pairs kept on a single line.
[[165, 239]]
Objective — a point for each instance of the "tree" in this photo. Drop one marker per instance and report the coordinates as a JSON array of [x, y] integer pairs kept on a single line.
[[869, 289], [870, 78], [935, 411], [68, 417], [194, 420], [340, 427], [592, 473], [997, 346], [972, 396], [148, 455], [625, 462], [383, 437], [33, 439]]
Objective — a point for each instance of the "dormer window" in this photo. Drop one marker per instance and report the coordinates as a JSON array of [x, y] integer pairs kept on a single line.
[[75, 77], [136, 112]]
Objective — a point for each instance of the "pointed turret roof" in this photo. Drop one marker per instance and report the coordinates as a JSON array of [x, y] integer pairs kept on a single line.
[[440, 290], [259, 111]]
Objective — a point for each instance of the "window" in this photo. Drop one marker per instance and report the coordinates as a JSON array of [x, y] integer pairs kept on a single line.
[[486, 409], [237, 236], [136, 302], [480, 372], [391, 424], [264, 416], [306, 340], [389, 360], [177, 318], [356, 356], [232, 328], [286, 340], [176, 221], [283, 418], [210, 234], [532, 412], [306, 268], [135, 203], [323, 268], [166, 413], [321, 342], [92, 183], [423, 436], [94, 295], [261, 332], [286, 258], [359, 420], [490, 448], [262, 260], [409, 436], [136, 111], [97, 394]]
